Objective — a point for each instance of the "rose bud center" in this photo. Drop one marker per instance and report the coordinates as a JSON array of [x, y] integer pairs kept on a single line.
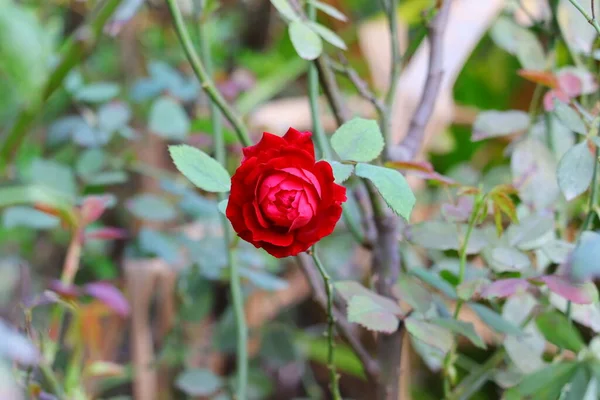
[[289, 198]]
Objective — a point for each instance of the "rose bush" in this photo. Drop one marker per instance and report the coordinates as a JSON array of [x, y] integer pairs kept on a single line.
[[281, 199]]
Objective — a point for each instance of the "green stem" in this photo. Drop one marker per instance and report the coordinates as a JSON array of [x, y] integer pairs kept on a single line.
[[221, 157], [72, 54], [334, 378], [449, 359], [587, 16], [51, 380], [204, 77]]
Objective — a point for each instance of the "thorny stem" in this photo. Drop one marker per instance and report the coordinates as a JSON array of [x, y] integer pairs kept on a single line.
[[73, 53], [334, 377], [204, 77], [235, 282]]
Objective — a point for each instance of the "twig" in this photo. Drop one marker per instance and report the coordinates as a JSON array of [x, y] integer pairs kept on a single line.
[[205, 80], [414, 137], [332, 91], [359, 84], [386, 115], [234, 278], [588, 17], [333, 376], [593, 9], [75, 50], [370, 365]]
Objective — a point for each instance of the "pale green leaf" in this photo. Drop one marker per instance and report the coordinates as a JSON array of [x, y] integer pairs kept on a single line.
[[151, 207], [201, 169], [328, 35], [575, 170], [495, 320], [198, 382], [569, 117], [341, 172], [285, 9], [358, 140], [28, 217], [433, 335], [391, 185], [370, 314], [307, 42], [329, 10], [465, 329], [499, 123], [168, 119], [98, 92]]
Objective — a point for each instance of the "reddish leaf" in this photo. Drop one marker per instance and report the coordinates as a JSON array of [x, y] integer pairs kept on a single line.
[[541, 77], [422, 169], [551, 95], [106, 233], [459, 212], [577, 293], [109, 295], [505, 288], [570, 84], [93, 207], [69, 292]]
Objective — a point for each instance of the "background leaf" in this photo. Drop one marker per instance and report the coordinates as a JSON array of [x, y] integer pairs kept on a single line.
[[499, 123], [559, 330], [307, 43], [575, 170], [198, 382], [168, 119], [370, 314]]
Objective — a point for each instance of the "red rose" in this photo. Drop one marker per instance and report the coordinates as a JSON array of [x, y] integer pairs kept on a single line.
[[282, 199]]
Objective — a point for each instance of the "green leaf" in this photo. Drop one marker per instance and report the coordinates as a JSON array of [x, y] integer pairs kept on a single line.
[[559, 330], [499, 123], [223, 206], [90, 162], [107, 178], [201, 169], [578, 386], [418, 297], [168, 119], [433, 335], [328, 35], [157, 243], [495, 320], [544, 384], [285, 9], [28, 217], [341, 172], [585, 259], [391, 185], [113, 116], [532, 232], [575, 170], [98, 92], [569, 117], [151, 207], [465, 329], [53, 175], [529, 50], [198, 382], [349, 289], [504, 258], [358, 140], [25, 48], [440, 235], [434, 280], [372, 315], [307, 43], [329, 10]]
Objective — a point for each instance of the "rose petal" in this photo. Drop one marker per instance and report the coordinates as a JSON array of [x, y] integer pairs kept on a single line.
[[300, 139], [306, 176], [268, 141], [265, 235]]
